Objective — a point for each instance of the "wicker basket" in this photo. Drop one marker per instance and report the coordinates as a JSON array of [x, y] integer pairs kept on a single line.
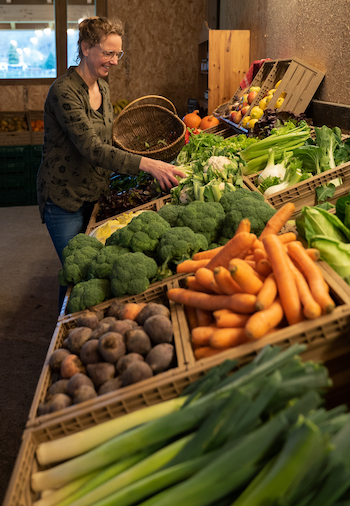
[[143, 126]]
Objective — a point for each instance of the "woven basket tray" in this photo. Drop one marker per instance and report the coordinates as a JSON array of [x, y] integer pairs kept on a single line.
[[142, 128]]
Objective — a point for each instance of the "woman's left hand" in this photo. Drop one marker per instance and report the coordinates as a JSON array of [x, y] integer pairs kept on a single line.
[[163, 172]]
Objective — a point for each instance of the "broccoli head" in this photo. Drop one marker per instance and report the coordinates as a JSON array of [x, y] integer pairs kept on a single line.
[[205, 218], [170, 213], [246, 206], [142, 234], [132, 273], [76, 265], [176, 245], [101, 265], [80, 241], [88, 293]]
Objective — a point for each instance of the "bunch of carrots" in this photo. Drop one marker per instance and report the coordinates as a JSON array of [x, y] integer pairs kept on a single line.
[[250, 287]]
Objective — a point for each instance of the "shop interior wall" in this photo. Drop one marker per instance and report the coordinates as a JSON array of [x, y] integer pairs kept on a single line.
[[161, 54], [315, 31]]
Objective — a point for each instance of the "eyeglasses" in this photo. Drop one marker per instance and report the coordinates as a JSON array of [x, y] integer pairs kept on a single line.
[[108, 55]]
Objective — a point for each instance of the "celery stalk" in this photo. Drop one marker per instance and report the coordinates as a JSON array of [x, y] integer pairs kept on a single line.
[[70, 446]]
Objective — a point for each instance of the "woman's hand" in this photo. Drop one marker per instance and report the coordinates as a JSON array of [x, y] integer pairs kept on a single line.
[[163, 172]]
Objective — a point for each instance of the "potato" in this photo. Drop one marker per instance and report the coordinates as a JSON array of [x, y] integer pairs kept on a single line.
[[111, 346], [57, 357], [77, 381], [122, 326], [84, 393], [108, 319], [151, 309], [161, 357], [124, 362], [71, 365], [89, 354], [110, 386], [101, 372], [77, 337], [159, 328], [59, 401], [88, 319], [137, 371], [137, 341], [100, 330], [114, 308], [59, 387], [44, 408]]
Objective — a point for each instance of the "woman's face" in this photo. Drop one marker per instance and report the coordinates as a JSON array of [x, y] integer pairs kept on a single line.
[[101, 57]]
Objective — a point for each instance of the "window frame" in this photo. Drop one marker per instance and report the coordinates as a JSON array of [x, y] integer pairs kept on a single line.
[[61, 48]]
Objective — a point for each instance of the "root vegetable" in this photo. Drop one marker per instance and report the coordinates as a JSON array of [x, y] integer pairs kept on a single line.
[[137, 371], [122, 326], [71, 365], [59, 401], [110, 386], [130, 311], [59, 387], [159, 328], [84, 393], [100, 373], [90, 354], [161, 357], [88, 319], [100, 330], [124, 362], [57, 358], [76, 381], [137, 341], [44, 408], [112, 346], [151, 309], [77, 337], [114, 308], [108, 319]]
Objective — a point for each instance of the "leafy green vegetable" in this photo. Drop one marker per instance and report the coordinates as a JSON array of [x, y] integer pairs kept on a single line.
[[316, 221], [335, 253], [325, 192]]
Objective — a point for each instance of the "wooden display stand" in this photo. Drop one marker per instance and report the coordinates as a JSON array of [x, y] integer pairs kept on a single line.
[[223, 60]]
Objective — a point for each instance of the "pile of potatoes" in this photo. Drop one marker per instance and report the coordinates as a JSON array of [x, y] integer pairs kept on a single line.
[[107, 351]]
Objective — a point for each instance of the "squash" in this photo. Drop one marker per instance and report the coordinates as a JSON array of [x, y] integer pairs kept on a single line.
[[208, 121], [192, 119]]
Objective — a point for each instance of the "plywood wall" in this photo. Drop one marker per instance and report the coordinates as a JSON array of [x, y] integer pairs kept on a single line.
[[315, 31]]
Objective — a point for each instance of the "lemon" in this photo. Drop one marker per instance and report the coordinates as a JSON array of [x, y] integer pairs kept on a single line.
[[251, 123], [278, 83], [283, 94], [256, 112], [264, 101], [279, 102], [245, 121], [271, 92]]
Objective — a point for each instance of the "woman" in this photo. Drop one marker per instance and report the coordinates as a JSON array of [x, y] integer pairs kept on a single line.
[[78, 156]]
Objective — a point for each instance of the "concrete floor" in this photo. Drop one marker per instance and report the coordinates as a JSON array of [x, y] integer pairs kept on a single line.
[[28, 315]]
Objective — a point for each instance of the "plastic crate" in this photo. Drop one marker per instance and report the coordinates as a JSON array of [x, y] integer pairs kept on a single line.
[[15, 176], [35, 161], [303, 193], [155, 294], [15, 138], [37, 137], [298, 80]]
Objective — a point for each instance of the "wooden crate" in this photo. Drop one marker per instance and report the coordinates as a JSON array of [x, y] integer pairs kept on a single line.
[[299, 80], [155, 294], [303, 193], [15, 138], [37, 137]]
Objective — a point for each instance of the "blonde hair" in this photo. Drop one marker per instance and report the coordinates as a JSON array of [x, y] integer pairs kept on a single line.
[[93, 29]]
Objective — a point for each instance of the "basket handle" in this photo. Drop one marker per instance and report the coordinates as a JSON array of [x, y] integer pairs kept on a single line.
[[168, 104]]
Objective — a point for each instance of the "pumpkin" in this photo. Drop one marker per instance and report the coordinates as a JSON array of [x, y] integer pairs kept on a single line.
[[208, 121], [192, 119]]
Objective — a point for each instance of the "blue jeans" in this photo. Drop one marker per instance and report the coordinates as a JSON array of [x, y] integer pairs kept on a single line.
[[62, 226]]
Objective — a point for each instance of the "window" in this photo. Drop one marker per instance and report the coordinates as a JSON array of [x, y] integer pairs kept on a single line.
[[38, 38]]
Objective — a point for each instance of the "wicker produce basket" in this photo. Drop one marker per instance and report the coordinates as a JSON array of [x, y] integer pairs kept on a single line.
[[150, 126]]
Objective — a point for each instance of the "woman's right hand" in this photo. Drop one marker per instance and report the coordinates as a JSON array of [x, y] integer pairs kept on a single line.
[[163, 172]]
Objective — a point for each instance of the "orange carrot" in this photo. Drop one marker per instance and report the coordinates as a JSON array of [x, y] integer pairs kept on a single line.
[[204, 317], [191, 316], [287, 237], [243, 226], [245, 277], [278, 220], [210, 253], [313, 253], [206, 351], [257, 244], [267, 294], [228, 337], [263, 267], [250, 256], [286, 285], [193, 284], [200, 336], [261, 322], [311, 308], [205, 277], [238, 302], [250, 262], [227, 318], [191, 265], [245, 264], [224, 281], [130, 311], [237, 246], [313, 276], [259, 254]]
